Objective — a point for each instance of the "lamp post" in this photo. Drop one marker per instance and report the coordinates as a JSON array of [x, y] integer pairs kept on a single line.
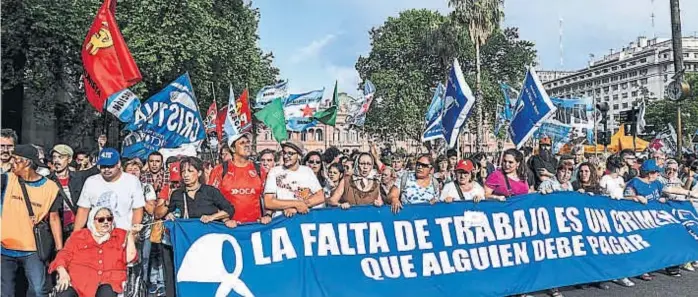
[[603, 108]]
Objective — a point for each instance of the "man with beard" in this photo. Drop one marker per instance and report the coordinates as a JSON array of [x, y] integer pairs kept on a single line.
[[70, 184], [543, 164], [8, 139]]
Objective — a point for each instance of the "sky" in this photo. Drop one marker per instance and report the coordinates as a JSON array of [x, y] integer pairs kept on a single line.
[[316, 42]]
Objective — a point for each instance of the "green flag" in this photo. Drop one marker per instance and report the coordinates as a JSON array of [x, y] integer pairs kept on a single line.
[[329, 115], [273, 117]]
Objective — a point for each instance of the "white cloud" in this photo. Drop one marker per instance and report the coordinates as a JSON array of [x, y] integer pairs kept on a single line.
[[312, 50], [347, 78]]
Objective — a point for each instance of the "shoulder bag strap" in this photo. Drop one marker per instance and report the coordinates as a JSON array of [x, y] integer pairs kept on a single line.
[[186, 207], [67, 200], [26, 200], [460, 192], [506, 180]]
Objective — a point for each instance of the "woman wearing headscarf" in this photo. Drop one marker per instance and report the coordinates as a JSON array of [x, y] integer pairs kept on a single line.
[[360, 188], [93, 261]]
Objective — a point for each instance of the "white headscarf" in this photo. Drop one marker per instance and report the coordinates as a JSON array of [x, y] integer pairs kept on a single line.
[[100, 237], [363, 181]]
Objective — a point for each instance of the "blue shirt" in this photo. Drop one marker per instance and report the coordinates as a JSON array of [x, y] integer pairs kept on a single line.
[[651, 191]]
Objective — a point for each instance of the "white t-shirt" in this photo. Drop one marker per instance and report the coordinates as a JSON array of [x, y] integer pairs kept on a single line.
[[613, 187], [292, 185], [122, 196], [450, 190]]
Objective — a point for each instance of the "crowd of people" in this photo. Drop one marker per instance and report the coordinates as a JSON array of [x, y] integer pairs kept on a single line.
[[105, 213]]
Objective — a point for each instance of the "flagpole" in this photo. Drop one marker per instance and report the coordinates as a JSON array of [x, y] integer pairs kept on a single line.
[[215, 103], [105, 122]]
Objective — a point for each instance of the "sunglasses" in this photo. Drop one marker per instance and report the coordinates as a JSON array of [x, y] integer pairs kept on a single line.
[[420, 165], [671, 169], [102, 219], [289, 153], [106, 166], [314, 162]]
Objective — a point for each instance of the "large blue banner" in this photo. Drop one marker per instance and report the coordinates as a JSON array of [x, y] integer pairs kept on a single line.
[[168, 119], [526, 244], [458, 101], [533, 107]]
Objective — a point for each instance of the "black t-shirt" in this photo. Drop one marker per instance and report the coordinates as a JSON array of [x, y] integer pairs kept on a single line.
[[207, 201], [537, 162], [593, 188]]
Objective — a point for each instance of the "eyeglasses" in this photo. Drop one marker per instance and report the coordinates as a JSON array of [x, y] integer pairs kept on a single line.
[[463, 172], [102, 219], [671, 169], [314, 162], [289, 153], [421, 165], [365, 164]]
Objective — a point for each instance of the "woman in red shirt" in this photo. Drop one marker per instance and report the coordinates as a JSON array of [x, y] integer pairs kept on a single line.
[[93, 261]]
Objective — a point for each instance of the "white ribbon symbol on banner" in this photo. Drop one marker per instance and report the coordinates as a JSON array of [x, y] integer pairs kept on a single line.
[[203, 264]]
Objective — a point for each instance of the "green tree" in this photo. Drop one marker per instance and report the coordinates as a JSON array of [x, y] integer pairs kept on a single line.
[[482, 18], [215, 41], [412, 52]]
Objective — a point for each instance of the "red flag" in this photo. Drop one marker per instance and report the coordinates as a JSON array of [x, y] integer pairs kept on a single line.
[[244, 113], [211, 122], [108, 64], [220, 121]]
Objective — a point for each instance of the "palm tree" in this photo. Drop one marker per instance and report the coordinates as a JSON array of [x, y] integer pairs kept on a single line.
[[482, 18]]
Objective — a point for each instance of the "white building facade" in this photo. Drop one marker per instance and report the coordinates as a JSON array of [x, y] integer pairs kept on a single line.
[[624, 78]]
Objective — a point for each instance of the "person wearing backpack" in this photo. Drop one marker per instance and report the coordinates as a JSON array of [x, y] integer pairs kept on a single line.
[[418, 186], [241, 182]]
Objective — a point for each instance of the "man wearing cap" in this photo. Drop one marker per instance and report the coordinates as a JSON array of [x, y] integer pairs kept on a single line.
[[292, 188], [543, 164], [469, 190], [8, 139], [241, 182], [121, 192], [70, 184], [18, 242]]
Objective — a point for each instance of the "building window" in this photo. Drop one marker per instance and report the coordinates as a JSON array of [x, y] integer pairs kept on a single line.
[[643, 81], [643, 71], [304, 136], [605, 89], [625, 95], [685, 55], [615, 106], [605, 80], [615, 78], [605, 98], [633, 74], [633, 93], [624, 86], [632, 63], [625, 104], [614, 68], [614, 87], [644, 60], [615, 97], [665, 56], [634, 83], [605, 70], [622, 66], [319, 136]]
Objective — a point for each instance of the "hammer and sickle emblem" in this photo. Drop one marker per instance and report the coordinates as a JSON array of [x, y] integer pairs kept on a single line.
[[99, 40]]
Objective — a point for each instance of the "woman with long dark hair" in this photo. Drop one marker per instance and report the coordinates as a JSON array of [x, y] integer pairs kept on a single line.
[[510, 179], [587, 180], [335, 174], [314, 161]]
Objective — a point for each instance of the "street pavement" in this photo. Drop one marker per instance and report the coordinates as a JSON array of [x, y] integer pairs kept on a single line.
[[662, 286]]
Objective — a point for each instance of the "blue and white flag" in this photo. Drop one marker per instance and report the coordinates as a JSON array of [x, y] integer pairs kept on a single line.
[[533, 108], [359, 117], [167, 120], [123, 105], [511, 97], [434, 128], [268, 93], [300, 108], [458, 102], [528, 243], [500, 121]]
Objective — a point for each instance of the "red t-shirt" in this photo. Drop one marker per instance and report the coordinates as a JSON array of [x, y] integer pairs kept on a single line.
[[68, 215], [243, 188]]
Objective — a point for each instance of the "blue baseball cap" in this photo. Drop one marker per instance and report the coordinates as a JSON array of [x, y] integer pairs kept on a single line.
[[108, 157], [650, 166]]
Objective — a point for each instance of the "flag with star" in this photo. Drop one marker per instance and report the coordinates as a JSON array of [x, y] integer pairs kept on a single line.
[[300, 108], [329, 115]]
